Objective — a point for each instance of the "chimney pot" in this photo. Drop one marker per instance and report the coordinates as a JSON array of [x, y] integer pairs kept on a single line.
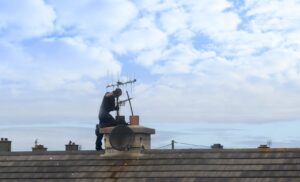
[[134, 120]]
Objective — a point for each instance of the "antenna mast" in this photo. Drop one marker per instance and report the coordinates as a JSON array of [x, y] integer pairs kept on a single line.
[[117, 85]]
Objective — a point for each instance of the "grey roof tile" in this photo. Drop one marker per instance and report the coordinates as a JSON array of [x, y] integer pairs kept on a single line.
[[246, 165]]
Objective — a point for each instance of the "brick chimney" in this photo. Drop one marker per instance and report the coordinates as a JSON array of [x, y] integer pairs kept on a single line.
[[5, 145]]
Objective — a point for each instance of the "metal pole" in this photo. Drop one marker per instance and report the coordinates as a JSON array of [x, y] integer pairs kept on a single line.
[[129, 103], [173, 144], [118, 112]]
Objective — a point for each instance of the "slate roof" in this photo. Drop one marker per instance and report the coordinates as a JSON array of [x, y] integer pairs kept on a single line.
[[188, 165]]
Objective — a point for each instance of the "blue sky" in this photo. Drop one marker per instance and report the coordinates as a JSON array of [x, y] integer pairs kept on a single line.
[[208, 71]]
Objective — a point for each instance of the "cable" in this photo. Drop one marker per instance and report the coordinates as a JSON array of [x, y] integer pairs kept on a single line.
[[204, 146], [164, 146]]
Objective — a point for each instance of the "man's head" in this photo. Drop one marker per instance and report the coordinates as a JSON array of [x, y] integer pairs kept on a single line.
[[117, 92]]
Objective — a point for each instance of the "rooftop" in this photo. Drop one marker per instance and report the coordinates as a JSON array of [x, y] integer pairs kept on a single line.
[[205, 165]]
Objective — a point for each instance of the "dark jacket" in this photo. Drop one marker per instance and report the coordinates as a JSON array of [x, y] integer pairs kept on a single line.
[[108, 104]]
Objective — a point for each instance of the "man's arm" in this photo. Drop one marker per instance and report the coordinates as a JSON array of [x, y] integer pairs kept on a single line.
[[108, 94], [111, 95]]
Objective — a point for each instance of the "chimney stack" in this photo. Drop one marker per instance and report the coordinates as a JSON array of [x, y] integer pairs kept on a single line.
[[130, 139], [263, 146], [38, 148], [5, 145], [216, 146], [71, 146]]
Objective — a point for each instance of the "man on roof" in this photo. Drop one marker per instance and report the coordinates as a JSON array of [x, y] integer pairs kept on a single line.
[[109, 103]]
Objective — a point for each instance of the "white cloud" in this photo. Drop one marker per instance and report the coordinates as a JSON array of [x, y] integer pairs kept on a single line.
[[149, 57], [25, 19], [242, 43], [292, 41], [45, 65], [150, 6], [216, 99], [212, 62], [142, 35], [70, 60], [94, 20], [177, 59], [170, 24], [50, 64], [180, 22], [273, 15], [211, 18]]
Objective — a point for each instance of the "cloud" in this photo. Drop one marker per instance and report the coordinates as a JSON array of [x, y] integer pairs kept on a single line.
[[172, 25], [273, 16], [26, 19], [97, 21], [190, 21], [211, 17], [53, 63], [51, 55], [213, 98], [70, 60], [242, 73], [142, 35], [216, 61], [177, 59], [48, 73]]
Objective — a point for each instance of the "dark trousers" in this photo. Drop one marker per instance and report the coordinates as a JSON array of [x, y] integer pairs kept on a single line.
[[99, 141], [106, 120]]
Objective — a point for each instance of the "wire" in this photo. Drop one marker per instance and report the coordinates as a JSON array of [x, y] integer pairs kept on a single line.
[[164, 146], [203, 146]]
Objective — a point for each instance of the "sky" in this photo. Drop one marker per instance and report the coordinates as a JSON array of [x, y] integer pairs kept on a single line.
[[222, 71]]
